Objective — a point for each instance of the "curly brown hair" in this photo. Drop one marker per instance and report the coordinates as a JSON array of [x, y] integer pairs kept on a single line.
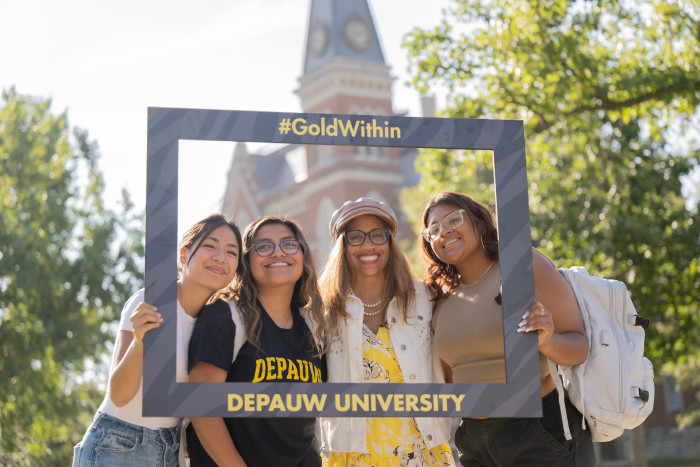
[[441, 278], [306, 293]]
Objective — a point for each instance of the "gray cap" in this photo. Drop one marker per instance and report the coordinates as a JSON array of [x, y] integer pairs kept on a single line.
[[360, 207]]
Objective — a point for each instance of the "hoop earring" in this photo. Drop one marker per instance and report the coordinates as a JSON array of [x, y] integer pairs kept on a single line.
[[482, 243]]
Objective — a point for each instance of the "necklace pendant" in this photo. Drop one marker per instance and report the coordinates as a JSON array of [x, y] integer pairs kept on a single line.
[[481, 277]]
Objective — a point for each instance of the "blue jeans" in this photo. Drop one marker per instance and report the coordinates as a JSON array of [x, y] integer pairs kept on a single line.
[[112, 442]]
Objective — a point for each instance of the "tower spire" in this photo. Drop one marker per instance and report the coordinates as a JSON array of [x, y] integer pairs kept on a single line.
[[341, 29], [344, 67]]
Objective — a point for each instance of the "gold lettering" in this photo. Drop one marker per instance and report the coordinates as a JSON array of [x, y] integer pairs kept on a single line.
[[347, 127], [458, 401], [270, 368], [377, 132], [384, 403], [312, 402], [292, 373], [340, 406], [293, 408], [317, 373], [303, 376], [281, 366], [238, 402], [444, 398], [398, 402], [262, 400], [427, 404], [411, 402], [301, 130], [249, 402], [277, 403], [361, 403], [259, 370], [332, 129]]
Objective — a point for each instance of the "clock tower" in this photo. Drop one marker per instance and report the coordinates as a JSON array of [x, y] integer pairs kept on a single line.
[[344, 73], [344, 67]]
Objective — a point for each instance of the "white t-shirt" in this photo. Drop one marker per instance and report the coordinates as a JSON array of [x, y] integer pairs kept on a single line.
[[131, 412]]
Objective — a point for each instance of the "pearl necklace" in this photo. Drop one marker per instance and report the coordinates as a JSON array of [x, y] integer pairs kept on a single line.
[[481, 277], [368, 306]]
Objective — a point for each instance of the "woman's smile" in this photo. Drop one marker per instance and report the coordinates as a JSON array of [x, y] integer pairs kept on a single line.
[[217, 270], [368, 259]]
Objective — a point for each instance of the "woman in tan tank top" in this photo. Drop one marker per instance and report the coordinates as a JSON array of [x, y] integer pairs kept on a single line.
[[460, 243]]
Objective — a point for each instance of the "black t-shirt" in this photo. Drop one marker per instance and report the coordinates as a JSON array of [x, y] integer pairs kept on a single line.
[[285, 355]]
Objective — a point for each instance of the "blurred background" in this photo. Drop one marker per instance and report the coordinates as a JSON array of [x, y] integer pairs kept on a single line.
[[609, 93]]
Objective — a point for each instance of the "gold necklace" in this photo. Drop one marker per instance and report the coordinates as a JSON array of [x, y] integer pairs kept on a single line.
[[289, 319], [481, 277]]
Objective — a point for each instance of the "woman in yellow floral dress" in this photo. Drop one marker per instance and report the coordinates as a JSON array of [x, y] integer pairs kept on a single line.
[[379, 328]]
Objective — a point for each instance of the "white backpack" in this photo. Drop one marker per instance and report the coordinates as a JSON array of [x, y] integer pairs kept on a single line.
[[614, 387]]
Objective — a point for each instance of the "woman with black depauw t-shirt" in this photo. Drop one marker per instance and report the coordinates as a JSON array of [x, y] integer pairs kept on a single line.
[[279, 303]]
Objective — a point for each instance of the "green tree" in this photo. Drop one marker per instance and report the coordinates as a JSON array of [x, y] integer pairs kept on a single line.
[[607, 90], [67, 264]]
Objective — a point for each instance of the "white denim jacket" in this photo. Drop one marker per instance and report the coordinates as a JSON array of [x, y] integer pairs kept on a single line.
[[413, 343]]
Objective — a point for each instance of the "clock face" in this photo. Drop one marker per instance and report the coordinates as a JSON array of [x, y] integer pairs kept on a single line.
[[318, 39], [357, 34]]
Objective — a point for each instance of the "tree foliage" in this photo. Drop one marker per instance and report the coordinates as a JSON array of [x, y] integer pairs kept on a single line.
[[62, 280], [607, 90]]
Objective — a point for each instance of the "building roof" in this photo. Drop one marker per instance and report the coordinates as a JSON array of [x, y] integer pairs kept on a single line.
[[340, 29], [273, 170]]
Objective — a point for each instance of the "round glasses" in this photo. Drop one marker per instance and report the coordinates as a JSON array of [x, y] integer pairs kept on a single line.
[[357, 237], [449, 222], [265, 248]]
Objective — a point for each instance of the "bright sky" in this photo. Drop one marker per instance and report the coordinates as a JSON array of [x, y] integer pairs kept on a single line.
[[106, 62]]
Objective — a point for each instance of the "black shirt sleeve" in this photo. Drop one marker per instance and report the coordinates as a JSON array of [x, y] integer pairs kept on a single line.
[[212, 337]]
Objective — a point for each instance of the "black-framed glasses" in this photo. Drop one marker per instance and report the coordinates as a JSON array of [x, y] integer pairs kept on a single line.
[[265, 248], [357, 237], [449, 222]]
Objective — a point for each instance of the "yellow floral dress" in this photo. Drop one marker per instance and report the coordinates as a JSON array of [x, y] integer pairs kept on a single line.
[[391, 442]]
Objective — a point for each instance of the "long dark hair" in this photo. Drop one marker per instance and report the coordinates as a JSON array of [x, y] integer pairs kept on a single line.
[[306, 293], [192, 239], [441, 278]]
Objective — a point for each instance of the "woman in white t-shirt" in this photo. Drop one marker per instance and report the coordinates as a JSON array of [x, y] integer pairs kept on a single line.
[[208, 260]]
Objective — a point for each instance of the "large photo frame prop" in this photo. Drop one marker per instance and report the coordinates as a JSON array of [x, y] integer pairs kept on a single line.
[[164, 396]]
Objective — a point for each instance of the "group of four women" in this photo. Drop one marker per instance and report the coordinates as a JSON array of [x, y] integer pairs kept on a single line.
[[365, 319]]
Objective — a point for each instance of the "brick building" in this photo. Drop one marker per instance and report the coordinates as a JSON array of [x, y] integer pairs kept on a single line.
[[344, 73]]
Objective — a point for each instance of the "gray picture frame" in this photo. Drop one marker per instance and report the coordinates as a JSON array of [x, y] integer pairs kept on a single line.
[[164, 396]]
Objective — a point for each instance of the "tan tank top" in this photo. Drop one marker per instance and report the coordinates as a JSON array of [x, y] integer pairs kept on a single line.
[[469, 333]]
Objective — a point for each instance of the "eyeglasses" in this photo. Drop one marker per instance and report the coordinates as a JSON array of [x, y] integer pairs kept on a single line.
[[265, 248], [357, 237], [449, 222]]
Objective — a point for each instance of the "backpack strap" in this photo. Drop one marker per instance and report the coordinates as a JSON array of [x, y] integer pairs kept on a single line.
[[575, 288], [238, 341], [183, 457], [542, 255], [311, 322], [239, 338], [554, 372]]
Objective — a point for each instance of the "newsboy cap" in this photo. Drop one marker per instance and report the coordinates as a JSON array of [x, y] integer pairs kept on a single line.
[[360, 207]]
